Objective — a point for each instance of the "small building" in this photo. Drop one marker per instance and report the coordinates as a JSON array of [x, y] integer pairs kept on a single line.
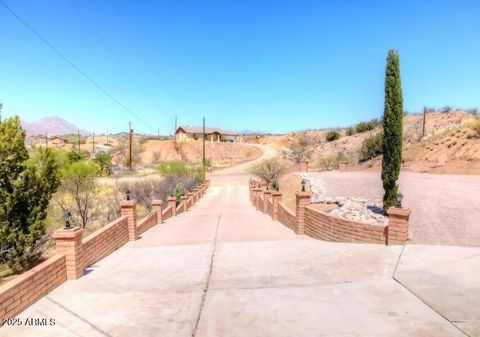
[[57, 141], [188, 133]]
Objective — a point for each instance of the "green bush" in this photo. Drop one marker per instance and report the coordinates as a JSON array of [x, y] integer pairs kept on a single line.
[[372, 147], [179, 191], [331, 136], [104, 161], [367, 126], [331, 162], [174, 167], [350, 132], [75, 156], [475, 125]]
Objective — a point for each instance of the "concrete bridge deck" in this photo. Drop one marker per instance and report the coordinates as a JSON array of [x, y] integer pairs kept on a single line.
[[224, 269]]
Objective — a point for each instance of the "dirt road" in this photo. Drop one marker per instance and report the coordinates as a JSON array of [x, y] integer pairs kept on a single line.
[[446, 208]]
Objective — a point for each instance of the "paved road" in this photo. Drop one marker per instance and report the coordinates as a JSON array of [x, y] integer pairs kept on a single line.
[[223, 269], [446, 208]]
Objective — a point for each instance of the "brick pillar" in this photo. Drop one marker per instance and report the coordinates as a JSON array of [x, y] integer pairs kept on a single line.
[[304, 166], [302, 199], [172, 202], [191, 196], [196, 194], [276, 198], [398, 225], [183, 202], [157, 207], [129, 209], [256, 197], [69, 243], [266, 197]]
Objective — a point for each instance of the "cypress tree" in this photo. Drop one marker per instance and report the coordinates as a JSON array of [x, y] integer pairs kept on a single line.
[[392, 130]]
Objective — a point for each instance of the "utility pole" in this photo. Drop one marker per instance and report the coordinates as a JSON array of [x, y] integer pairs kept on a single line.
[[424, 120], [203, 156], [93, 143], [107, 136], [78, 134], [175, 132], [158, 132], [46, 140], [130, 131], [1, 106]]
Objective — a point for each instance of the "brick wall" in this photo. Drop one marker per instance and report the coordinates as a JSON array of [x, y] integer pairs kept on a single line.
[[286, 216], [331, 228], [149, 221], [105, 240], [27, 288], [270, 207], [167, 213]]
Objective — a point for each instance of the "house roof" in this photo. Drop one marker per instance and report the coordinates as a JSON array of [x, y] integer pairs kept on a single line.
[[199, 129]]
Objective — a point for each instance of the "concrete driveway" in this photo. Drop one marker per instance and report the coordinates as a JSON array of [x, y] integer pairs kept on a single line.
[[223, 269]]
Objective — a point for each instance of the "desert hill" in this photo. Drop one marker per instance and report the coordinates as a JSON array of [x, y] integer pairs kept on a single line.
[[51, 125]]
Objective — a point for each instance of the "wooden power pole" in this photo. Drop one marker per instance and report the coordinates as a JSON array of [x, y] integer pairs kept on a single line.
[[175, 132], [46, 140], [203, 155], [78, 135], [93, 143], [424, 120], [130, 133]]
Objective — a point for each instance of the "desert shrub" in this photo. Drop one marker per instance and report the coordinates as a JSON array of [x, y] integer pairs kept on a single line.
[[274, 185], [367, 126], [174, 167], [350, 131], [104, 161], [75, 156], [372, 147], [331, 136], [179, 191], [328, 163], [268, 170], [475, 125], [300, 151]]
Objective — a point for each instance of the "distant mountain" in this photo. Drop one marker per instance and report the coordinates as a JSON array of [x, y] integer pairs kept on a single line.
[[51, 125], [250, 132]]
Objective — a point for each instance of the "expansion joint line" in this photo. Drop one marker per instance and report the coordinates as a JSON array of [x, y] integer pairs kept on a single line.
[[209, 276], [421, 299]]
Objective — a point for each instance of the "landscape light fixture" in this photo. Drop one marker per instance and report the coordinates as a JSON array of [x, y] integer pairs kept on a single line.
[[304, 182], [399, 200], [67, 216], [127, 194]]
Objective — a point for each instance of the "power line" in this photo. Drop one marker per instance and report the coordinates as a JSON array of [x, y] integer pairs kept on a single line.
[[116, 58], [66, 59]]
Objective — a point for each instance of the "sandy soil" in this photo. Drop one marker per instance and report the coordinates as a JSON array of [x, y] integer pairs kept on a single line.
[[446, 208]]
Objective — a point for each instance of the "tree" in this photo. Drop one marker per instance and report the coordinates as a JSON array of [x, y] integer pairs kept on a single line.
[[392, 130], [300, 151], [26, 186], [104, 161], [268, 170], [79, 187]]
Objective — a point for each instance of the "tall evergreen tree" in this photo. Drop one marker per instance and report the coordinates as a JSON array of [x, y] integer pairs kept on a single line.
[[392, 130], [26, 185]]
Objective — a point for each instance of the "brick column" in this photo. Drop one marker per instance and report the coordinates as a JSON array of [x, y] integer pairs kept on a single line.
[[256, 197], [172, 202], [196, 194], [157, 207], [129, 209], [69, 243], [398, 225], [183, 202], [191, 196], [302, 199], [276, 198], [266, 196]]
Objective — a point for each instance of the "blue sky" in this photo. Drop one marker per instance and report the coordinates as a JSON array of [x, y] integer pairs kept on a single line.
[[274, 66]]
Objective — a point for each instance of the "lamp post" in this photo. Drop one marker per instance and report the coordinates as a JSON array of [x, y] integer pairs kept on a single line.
[[128, 194], [304, 182], [67, 216], [399, 200]]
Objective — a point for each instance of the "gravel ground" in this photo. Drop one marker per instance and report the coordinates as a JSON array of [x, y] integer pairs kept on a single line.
[[446, 208]]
